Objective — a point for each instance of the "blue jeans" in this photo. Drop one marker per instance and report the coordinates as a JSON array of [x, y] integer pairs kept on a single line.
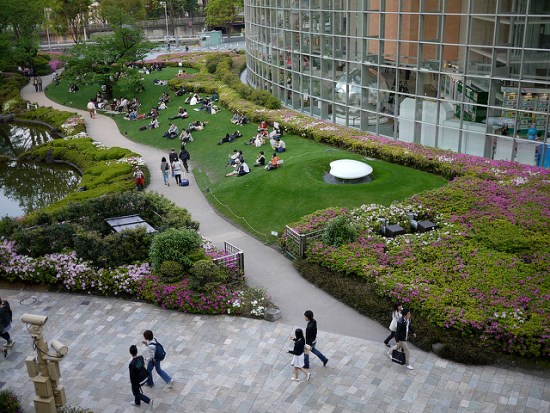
[[316, 352], [161, 372]]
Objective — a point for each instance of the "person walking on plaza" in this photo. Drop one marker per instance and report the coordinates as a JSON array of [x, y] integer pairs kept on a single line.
[[39, 83], [154, 360], [136, 366], [298, 358], [311, 339], [91, 108], [404, 329], [184, 157], [165, 169], [396, 317], [172, 157], [5, 325]]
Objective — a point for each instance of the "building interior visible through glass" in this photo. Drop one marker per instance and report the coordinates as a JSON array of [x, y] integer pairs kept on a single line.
[[466, 75]]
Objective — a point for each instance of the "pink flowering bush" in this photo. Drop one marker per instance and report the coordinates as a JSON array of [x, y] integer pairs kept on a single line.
[[483, 272]]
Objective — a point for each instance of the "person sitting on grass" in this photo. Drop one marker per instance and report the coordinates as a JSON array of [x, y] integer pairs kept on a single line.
[[230, 138], [181, 91], [172, 132], [154, 123], [232, 158], [162, 106], [262, 126], [153, 113], [131, 116], [196, 125], [281, 146], [194, 100], [260, 159], [274, 163], [185, 136], [164, 97], [240, 169], [182, 114]]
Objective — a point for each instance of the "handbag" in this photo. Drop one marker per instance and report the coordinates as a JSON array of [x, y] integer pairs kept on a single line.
[[398, 356], [307, 349], [393, 324]]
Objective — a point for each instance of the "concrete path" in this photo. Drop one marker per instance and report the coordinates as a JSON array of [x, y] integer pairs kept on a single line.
[[264, 266], [233, 364]]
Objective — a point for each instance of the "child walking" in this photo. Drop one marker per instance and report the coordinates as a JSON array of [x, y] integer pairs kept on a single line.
[[298, 358]]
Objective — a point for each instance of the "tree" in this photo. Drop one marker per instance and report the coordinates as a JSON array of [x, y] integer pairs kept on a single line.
[[119, 12], [223, 13], [19, 28], [174, 8], [71, 17], [106, 60]]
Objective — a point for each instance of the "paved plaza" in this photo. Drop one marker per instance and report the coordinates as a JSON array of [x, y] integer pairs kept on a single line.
[[233, 364]]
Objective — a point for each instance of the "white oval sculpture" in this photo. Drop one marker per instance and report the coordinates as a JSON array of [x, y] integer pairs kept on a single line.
[[349, 169]]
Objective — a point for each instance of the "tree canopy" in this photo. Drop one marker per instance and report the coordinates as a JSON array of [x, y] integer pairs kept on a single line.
[[70, 17], [106, 60], [19, 28], [119, 12], [223, 13]]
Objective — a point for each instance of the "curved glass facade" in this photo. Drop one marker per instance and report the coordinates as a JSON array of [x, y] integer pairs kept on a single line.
[[472, 76]]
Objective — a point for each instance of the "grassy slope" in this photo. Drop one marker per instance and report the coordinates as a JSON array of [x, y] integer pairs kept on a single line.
[[267, 200]]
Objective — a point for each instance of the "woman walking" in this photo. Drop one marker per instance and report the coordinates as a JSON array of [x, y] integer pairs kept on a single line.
[[396, 317], [298, 358], [165, 169], [177, 166]]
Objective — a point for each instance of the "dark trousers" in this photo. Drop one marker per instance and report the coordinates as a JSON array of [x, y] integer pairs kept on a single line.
[[138, 395], [6, 336], [387, 340]]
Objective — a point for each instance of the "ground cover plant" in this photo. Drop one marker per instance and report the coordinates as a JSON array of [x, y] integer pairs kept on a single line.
[[73, 249], [260, 202]]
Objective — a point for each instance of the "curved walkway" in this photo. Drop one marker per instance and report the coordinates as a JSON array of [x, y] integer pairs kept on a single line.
[[264, 266]]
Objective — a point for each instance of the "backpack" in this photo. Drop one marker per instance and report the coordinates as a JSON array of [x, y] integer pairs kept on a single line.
[[143, 374], [160, 354]]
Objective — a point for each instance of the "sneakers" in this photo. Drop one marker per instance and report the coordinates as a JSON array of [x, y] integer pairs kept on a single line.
[[171, 384], [5, 351], [151, 404], [308, 376], [10, 343], [325, 363], [410, 367], [294, 379]]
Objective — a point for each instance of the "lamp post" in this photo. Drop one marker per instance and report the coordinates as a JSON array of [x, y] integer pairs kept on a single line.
[[163, 4], [47, 13]]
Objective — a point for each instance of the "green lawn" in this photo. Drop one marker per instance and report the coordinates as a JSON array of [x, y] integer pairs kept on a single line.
[[261, 202]]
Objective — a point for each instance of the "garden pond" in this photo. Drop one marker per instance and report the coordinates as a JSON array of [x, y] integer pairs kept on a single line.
[[25, 187]]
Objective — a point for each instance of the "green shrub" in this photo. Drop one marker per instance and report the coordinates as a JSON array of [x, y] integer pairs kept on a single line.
[[41, 64], [215, 59], [9, 402], [8, 226], [174, 245], [43, 240], [339, 231], [170, 272], [206, 276]]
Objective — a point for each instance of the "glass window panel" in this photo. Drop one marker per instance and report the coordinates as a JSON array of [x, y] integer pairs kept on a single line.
[[484, 7], [481, 31]]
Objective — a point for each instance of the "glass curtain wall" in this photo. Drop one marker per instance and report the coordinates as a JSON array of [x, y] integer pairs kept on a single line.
[[466, 75]]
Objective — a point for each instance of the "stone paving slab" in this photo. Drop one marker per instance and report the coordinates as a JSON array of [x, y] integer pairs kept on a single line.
[[233, 364]]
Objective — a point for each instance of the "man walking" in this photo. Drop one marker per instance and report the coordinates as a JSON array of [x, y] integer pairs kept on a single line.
[[154, 359], [137, 366], [404, 328], [311, 339]]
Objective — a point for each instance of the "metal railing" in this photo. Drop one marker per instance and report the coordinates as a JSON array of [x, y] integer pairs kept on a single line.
[[296, 243], [234, 260]]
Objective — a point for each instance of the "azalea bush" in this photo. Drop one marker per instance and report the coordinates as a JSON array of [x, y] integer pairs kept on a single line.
[[482, 273]]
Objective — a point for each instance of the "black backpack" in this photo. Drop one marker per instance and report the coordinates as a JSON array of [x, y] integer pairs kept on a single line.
[[160, 354], [143, 374]]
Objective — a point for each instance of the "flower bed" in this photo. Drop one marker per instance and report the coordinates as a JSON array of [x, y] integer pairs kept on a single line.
[[136, 281], [482, 273]]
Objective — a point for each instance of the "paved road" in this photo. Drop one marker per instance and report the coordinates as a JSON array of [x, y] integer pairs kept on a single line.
[[264, 266], [233, 364]]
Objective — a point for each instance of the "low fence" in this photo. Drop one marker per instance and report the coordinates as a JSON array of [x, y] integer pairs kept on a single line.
[[234, 260], [296, 243]]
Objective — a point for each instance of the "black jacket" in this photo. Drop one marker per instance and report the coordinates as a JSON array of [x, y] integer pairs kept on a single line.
[[311, 332], [135, 367], [5, 315], [298, 347], [401, 332]]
